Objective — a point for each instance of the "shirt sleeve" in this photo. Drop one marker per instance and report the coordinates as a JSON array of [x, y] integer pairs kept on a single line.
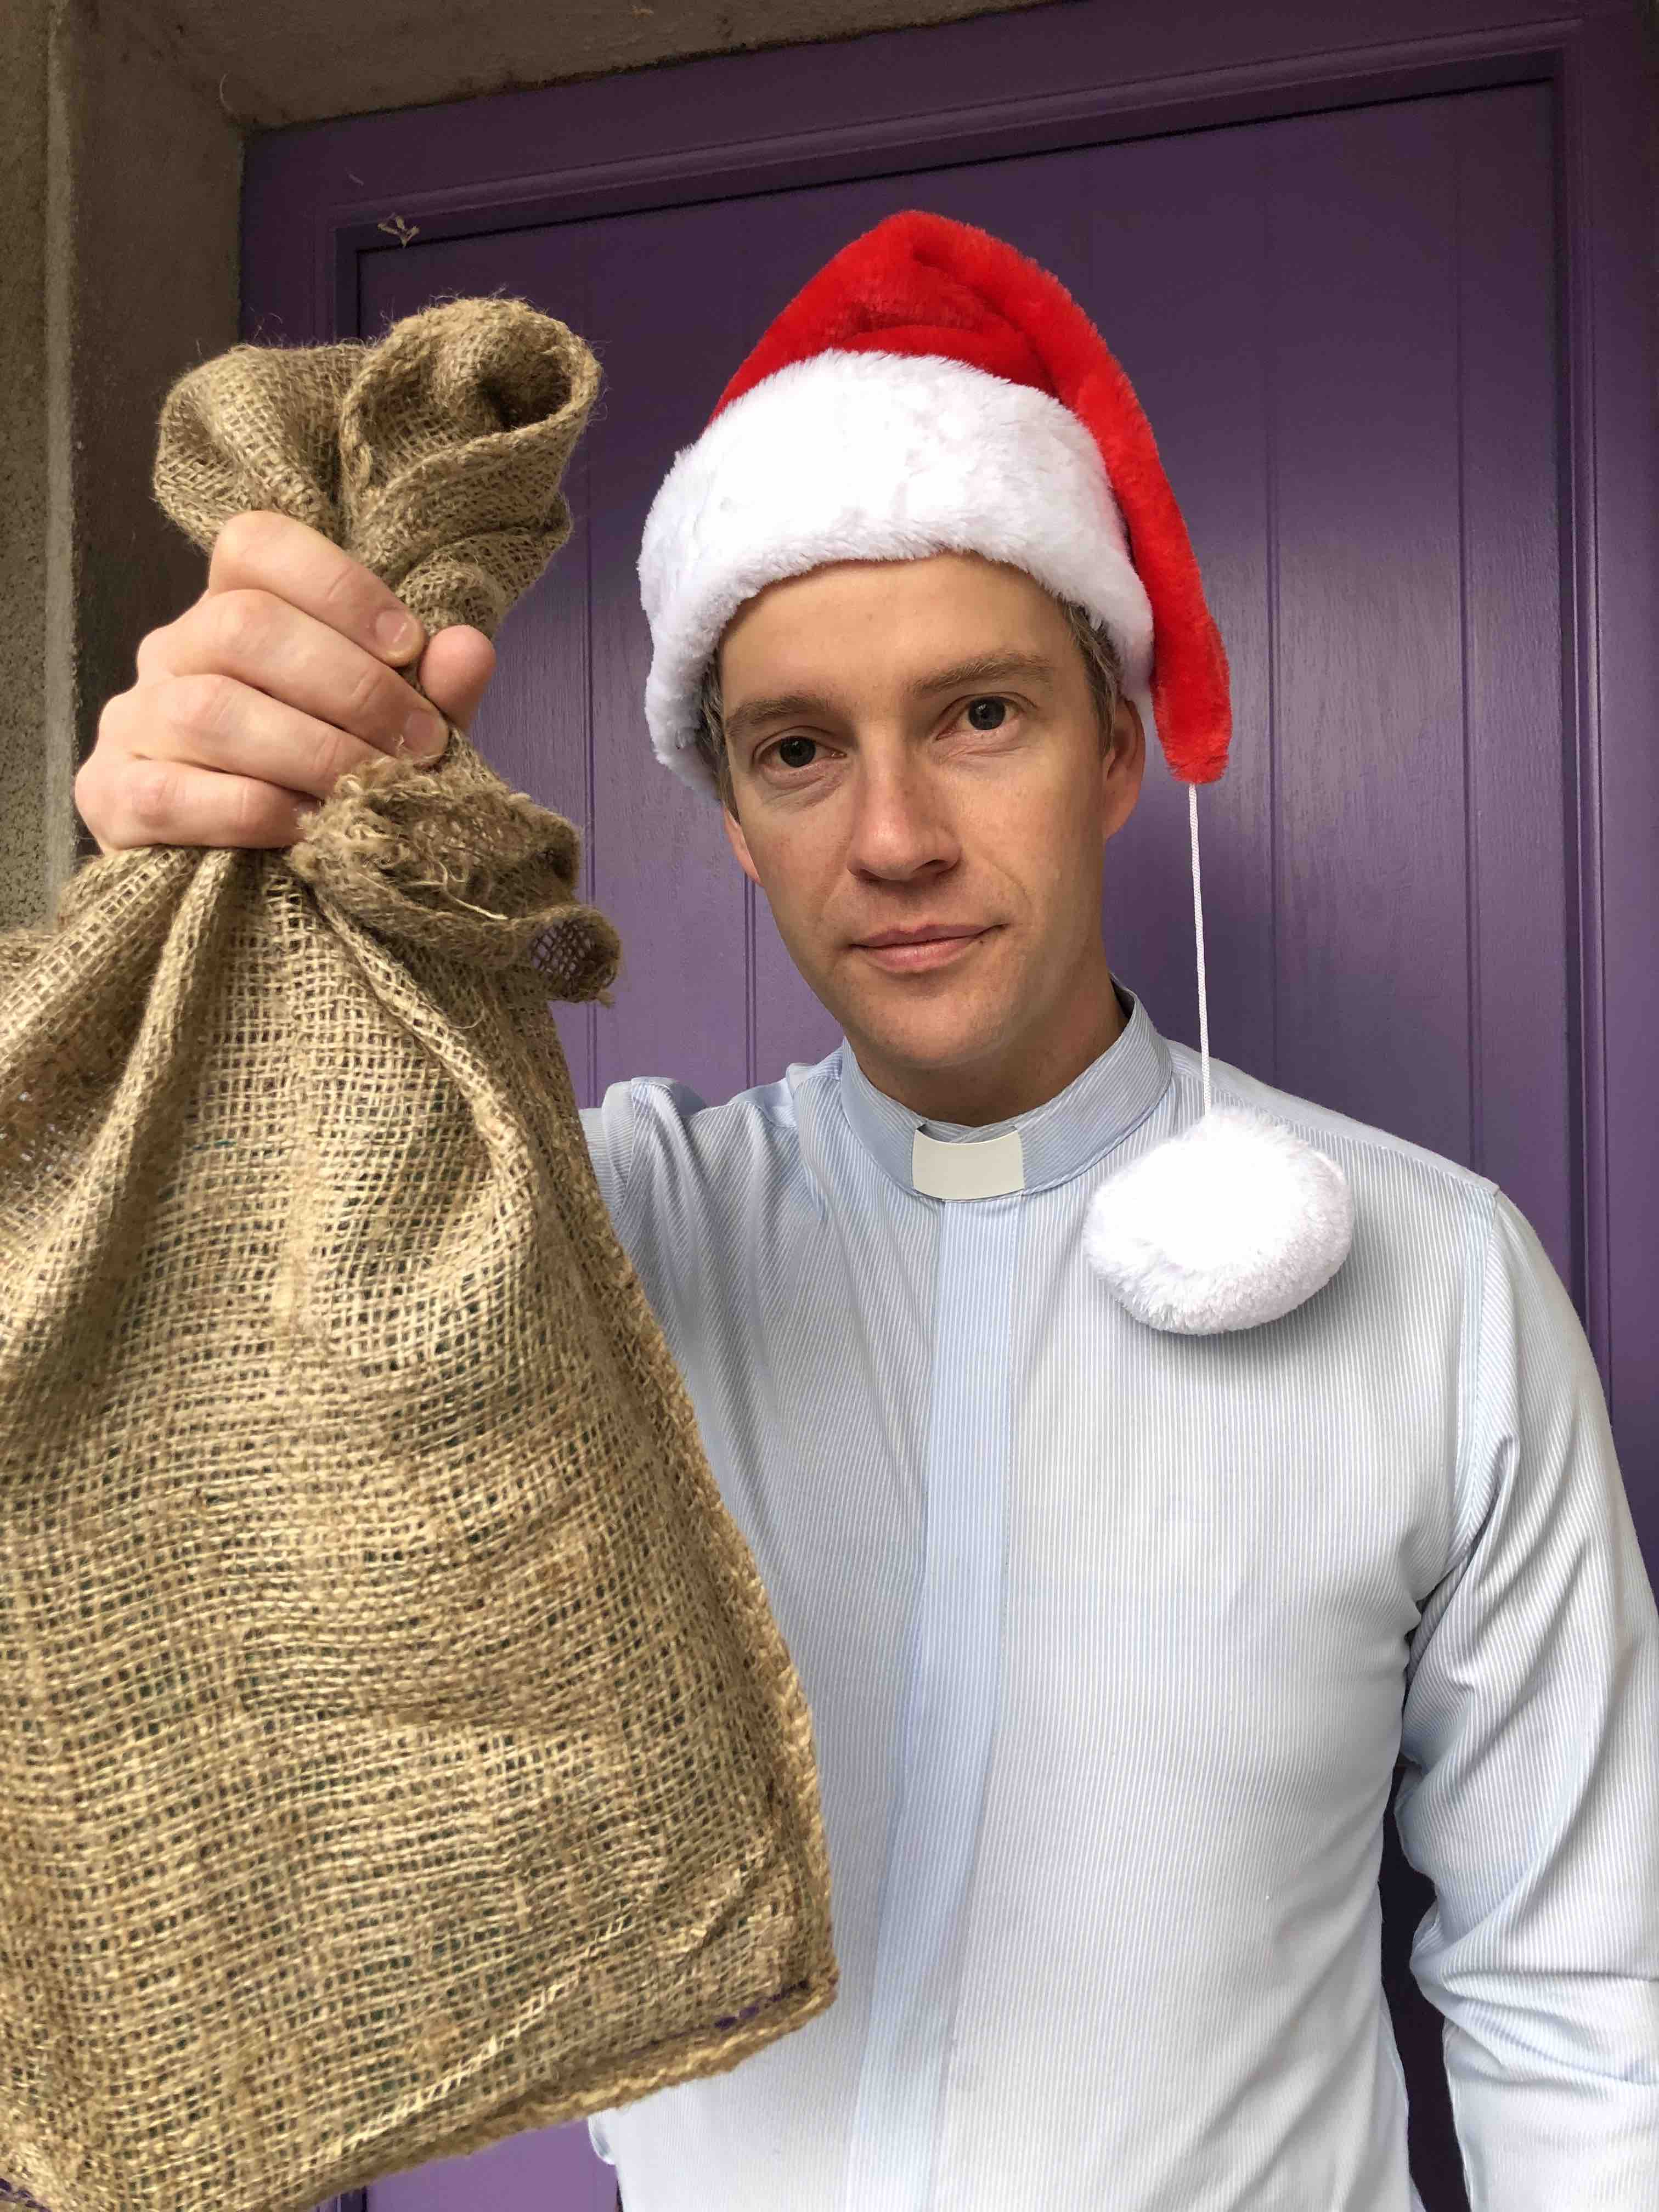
[[609, 1129], [1531, 1794], [598, 2139]]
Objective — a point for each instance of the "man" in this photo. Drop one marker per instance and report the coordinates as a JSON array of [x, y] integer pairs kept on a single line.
[[1114, 1604]]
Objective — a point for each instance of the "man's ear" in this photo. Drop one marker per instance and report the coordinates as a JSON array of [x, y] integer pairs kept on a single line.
[[739, 845], [1123, 765]]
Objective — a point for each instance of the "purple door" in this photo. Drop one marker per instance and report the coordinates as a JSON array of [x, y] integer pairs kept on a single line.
[[1343, 327]]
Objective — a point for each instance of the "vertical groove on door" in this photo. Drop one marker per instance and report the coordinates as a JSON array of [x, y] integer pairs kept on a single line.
[[1471, 844], [1270, 487]]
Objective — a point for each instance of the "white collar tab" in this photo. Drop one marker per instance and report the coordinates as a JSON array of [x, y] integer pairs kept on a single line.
[[985, 1168]]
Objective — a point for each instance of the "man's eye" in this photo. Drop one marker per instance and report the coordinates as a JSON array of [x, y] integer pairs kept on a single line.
[[987, 713], [778, 749]]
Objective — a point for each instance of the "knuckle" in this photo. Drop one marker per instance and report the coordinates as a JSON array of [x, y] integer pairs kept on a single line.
[[114, 713], [350, 594], [205, 704], [150, 793], [244, 539], [85, 788], [249, 812], [152, 646], [333, 753], [372, 697], [240, 621]]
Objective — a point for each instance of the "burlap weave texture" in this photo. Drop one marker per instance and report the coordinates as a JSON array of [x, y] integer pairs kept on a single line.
[[396, 1749]]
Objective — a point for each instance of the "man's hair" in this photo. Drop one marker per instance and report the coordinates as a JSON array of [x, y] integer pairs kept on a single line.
[[1100, 658]]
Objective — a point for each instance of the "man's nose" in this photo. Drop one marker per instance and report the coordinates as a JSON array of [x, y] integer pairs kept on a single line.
[[902, 819]]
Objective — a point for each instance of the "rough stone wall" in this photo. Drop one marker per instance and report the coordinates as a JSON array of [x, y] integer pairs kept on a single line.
[[122, 186], [305, 60], [25, 500]]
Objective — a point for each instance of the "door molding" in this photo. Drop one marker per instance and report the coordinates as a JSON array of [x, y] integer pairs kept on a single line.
[[317, 199], [1035, 123]]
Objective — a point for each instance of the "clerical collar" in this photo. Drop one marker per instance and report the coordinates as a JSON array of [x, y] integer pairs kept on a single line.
[[1029, 1151]]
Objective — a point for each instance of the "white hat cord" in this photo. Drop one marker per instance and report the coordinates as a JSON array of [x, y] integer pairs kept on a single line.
[[1235, 1222]]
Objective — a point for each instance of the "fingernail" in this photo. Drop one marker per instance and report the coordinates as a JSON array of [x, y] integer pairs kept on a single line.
[[397, 632], [425, 735]]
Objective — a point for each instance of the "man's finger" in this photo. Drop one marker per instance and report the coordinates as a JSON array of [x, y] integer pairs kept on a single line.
[[262, 550], [455, 672]]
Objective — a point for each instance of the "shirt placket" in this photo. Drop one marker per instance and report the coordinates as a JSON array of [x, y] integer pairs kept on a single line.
[[951, 1695]]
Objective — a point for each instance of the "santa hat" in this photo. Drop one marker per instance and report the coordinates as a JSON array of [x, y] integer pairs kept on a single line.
[[933, 390]]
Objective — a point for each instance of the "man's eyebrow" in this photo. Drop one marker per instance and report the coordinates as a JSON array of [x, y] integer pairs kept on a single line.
[[982, 668], [753, 712]]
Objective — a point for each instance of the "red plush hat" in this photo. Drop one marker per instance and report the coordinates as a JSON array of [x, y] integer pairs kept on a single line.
[[933, 390]]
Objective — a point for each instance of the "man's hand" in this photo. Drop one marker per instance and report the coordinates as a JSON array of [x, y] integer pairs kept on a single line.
[[281, 677]]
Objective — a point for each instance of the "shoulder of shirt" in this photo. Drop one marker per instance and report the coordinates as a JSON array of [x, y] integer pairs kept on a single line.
[[674, 1102], [661, 1119], [1441, 1222], [1356, 1146], [1427, 1221]]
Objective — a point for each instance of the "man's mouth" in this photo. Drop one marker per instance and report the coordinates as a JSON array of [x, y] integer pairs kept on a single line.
[[923, 952]]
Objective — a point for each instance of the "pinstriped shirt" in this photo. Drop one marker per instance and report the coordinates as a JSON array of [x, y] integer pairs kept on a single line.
[[1112, 1639]]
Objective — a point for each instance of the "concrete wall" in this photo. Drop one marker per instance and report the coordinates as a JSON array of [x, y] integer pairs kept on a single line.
[[121, 135], [25, 497], [121, 191], [309, 59]]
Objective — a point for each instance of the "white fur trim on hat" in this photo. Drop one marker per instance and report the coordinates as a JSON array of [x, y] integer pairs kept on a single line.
[[874, 457], [1235, 1222]]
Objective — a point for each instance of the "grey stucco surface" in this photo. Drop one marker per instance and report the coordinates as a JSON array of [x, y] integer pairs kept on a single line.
[[121, 196]]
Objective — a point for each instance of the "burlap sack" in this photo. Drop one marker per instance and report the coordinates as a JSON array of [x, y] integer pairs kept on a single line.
[[397, 1751]]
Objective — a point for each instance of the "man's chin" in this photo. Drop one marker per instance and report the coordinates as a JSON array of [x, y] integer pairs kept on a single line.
[[939, 1036]]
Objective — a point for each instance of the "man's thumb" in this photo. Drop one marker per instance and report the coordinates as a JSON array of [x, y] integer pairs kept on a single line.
[[455, 672]]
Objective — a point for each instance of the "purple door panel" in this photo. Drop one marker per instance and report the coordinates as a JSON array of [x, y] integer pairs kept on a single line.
[[1342, 326]]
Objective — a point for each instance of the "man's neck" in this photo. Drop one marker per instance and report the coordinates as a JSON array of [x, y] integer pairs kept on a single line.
[[949, 1095]]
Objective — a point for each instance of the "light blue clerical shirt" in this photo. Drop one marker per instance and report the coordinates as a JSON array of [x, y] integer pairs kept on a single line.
[[1111, 1639]]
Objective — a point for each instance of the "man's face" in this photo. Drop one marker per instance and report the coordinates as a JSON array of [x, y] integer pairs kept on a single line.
[[915, 742]]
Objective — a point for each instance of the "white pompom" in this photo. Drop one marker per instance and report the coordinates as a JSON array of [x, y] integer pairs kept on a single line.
[[1232, 1223]]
